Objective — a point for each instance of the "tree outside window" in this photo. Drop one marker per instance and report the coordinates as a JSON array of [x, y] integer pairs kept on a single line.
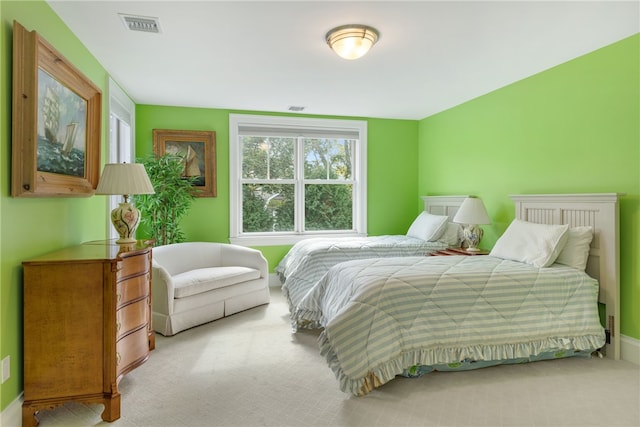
[[297, 184]]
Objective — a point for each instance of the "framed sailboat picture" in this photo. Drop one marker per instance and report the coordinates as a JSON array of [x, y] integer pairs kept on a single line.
[[56, 120], [197, 149]]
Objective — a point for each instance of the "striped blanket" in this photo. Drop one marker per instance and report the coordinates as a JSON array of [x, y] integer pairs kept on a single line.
[[308, 260], [384, 316]]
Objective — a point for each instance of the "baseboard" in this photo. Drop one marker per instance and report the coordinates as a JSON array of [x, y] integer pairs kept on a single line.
[[630, 349], [12, 414]]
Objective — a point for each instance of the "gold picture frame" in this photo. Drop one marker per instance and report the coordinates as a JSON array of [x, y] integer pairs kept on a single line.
[[55, 122], [198, 149]]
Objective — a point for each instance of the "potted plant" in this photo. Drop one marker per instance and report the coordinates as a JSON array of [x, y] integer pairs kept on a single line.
[[162, 211]]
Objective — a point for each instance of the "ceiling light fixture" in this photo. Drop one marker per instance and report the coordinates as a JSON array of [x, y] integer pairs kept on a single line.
[[352, 41]]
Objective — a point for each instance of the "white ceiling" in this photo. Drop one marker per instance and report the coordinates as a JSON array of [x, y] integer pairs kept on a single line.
[[268, 56]]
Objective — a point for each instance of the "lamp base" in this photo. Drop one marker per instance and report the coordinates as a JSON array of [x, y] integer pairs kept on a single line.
[[126, 240], [125, 219], [471, 236]]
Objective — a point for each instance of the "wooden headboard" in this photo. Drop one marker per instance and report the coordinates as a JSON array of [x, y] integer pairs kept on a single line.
[[601, 212], [443, 205]]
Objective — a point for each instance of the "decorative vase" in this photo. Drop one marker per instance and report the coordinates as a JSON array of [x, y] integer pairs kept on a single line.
[[472, 234], [125, 219]]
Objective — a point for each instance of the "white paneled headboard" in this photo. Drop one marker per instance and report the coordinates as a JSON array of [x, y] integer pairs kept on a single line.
[[443, 205], [601, 212]]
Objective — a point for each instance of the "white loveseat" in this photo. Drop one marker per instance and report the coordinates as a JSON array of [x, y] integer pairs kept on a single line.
[[197, 282]]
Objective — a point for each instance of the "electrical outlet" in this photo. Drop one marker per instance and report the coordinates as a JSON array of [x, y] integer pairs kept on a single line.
[[6, 368]]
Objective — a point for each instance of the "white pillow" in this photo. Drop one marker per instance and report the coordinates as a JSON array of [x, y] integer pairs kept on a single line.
[[576, 251], [452, 235], [531, 243], [428, 227]]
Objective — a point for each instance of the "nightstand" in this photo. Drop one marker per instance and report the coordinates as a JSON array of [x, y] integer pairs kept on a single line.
[[458, 251]]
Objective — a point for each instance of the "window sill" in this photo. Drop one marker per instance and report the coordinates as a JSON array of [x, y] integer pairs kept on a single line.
[[284, 240]]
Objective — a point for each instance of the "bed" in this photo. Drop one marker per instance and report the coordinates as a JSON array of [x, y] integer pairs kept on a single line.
[[308, 260], [383, 317]]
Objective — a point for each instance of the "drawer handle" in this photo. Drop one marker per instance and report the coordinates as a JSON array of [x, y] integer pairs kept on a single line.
[[118, 326], [118, 358], [119, 297]]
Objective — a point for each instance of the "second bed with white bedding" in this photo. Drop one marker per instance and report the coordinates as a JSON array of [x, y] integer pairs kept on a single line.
[[309, 260]]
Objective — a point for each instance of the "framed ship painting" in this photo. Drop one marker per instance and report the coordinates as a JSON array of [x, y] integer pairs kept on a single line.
[[197, 149], [55, 121]]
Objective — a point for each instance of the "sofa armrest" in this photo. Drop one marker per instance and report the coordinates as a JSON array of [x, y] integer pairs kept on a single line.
[[162, 292], [245, 257]]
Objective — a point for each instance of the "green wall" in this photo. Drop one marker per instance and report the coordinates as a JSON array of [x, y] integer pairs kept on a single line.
[[29, 227], [392, 184], [578, 122], [572, 129]]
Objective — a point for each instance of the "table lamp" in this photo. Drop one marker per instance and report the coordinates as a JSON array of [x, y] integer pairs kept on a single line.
[[125, 179], [471, 213]]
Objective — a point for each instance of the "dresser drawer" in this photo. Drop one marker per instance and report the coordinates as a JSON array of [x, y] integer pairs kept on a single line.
[[132, 289], [133, 265], [131, 316], [132, 350]]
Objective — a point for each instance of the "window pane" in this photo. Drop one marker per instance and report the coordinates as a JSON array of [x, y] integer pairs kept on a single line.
[[267, 207], [328, 207], [267, 157], [327, 158], [296, 177]]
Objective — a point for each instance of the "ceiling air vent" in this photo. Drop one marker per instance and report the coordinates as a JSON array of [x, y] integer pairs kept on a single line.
[[145, 24], [296, 108]]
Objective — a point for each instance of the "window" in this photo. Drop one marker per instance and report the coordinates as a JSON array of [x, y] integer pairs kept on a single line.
[[292, 178], [121, 147]]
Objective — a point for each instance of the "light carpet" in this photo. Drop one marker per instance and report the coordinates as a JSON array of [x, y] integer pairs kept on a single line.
[[249, 369]]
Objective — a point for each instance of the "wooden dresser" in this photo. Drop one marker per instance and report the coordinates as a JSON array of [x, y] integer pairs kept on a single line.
[[87, 322]]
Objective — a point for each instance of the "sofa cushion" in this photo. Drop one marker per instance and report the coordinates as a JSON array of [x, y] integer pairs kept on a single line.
[[206, 279]]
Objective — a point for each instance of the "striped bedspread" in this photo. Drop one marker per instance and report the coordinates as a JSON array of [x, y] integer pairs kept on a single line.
[[382, 316], [308, 260]]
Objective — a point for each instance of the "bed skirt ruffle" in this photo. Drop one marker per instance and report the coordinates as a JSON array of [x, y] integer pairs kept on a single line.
[[305, 319], [418, 362]]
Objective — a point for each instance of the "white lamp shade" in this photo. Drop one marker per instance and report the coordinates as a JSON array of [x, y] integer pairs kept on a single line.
[[125, 179], [352, 41], [472, 211]]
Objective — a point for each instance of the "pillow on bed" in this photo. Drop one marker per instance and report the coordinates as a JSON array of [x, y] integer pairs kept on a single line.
[[452, 235], [531, 243], [428, 227], [576, 251]]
